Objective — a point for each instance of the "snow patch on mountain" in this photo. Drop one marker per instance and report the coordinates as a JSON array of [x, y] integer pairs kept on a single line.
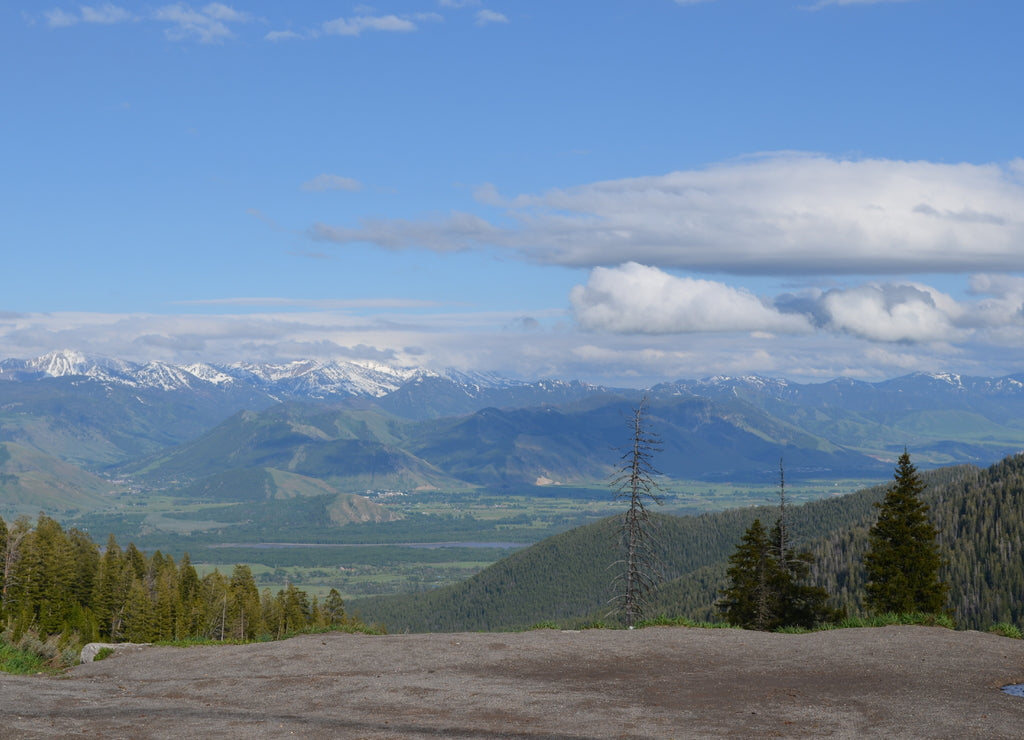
[[313, 379]]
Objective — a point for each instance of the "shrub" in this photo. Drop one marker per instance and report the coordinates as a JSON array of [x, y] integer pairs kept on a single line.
[[1006, 630], [546, 625]]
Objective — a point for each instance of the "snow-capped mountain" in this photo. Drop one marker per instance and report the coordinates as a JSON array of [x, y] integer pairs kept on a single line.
[[98, 411], [300, 379]]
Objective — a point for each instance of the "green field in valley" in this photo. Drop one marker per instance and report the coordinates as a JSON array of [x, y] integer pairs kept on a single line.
[[443, 538]]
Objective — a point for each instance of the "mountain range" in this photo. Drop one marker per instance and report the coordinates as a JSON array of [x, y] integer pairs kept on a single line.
[[366, 426]]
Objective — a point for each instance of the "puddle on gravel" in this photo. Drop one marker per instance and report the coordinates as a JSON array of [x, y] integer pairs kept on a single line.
[[1014, 689]]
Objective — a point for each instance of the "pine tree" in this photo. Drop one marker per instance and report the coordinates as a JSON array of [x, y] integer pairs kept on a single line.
[[903, 560], [12, 554], [189, 621], [767, 588], [635, 484], [138, 614], [166, 602], [245, 617], [334, 608], [110, 591], [51, 575], [87, 564], [215, 595], [295, 609], [799, 604], [752, 599]]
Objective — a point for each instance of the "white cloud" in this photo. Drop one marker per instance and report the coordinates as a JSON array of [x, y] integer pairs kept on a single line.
[[326, 304], [226, 13], [484, 17], [355, 26], [456, 232], [208, 25], [637, 298], [105, 14], [331, 182], [787, 213], [58, 18], [905, 312], [282, 35], [545, 344]]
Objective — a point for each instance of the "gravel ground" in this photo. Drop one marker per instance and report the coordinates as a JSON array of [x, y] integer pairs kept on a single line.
[[668, 682]]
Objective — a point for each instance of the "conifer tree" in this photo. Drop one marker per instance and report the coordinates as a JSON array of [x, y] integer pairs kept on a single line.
[[215, 596], [10, 576], [166, 602], [110, 591], [334, 608], [190, 616], [766, 584], [752, 599], [295, 609], [50, 575], [87, 562], [903, 560], [767, 577], [244, 604], [138, 614]]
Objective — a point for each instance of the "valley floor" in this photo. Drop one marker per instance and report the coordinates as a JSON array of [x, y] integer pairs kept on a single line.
[[907, 682]]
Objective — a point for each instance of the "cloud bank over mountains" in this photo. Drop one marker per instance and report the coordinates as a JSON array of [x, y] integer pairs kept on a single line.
[[664, 260], [637, 298]]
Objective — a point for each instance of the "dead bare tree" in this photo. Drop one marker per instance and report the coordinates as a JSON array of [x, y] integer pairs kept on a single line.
[[639, 569]]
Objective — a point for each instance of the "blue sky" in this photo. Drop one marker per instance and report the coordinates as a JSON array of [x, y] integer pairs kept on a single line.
[[625, 191]]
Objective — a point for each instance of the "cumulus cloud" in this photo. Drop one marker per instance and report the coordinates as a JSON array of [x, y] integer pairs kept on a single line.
[[786, 213], [637, 298], [332, 182], [903, 312]]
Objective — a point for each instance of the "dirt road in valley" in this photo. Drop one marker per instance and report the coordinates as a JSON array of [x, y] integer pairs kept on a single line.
[[893, 682]]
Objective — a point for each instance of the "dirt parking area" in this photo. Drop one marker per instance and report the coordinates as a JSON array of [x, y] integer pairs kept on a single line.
[[892, 682]]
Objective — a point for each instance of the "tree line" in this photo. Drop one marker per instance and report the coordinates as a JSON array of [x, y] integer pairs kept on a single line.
[[54, 581]]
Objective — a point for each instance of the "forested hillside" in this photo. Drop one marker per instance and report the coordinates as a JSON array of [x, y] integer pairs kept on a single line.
[[54, 581], [980, 515]]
